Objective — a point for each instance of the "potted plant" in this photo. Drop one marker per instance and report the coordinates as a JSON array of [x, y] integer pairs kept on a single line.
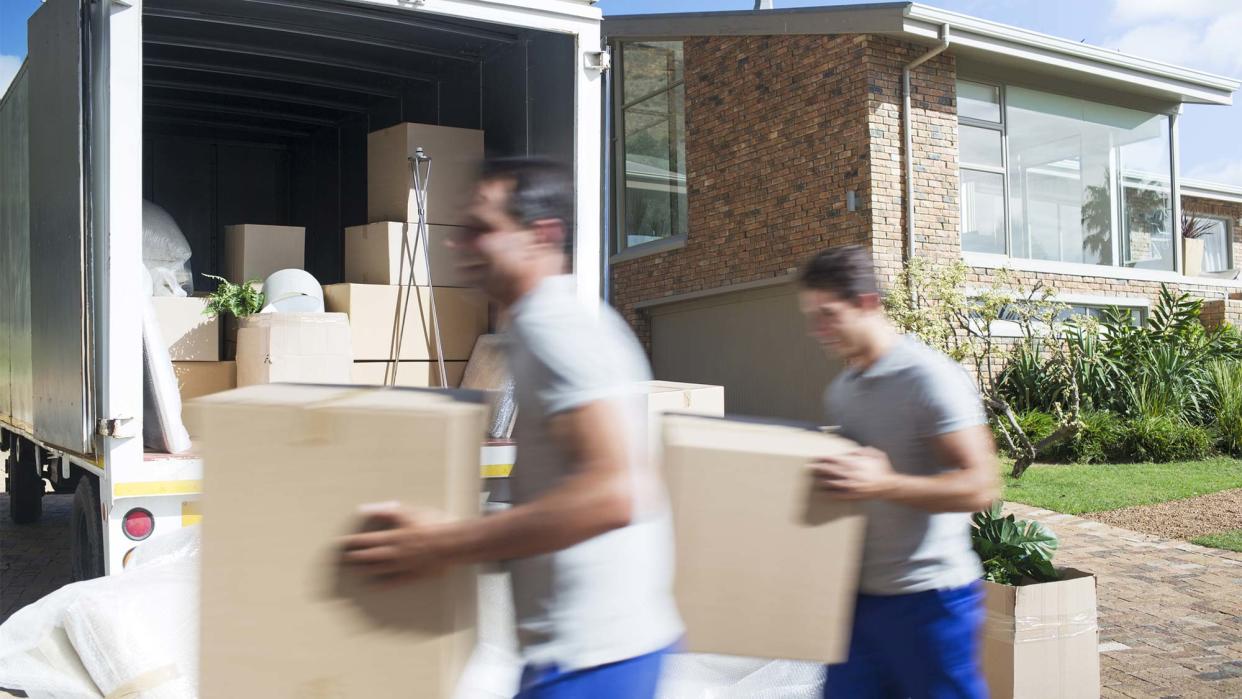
[[1193, 230], [1040, 635], [234, 302]]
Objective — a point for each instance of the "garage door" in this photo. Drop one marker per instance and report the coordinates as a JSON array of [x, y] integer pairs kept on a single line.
[[752, 342]]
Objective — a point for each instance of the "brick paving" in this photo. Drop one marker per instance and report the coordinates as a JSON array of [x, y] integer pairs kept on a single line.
[[1170, 612], [34, 558]]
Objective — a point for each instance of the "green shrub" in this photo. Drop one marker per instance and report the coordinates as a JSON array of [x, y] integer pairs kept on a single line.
[[1163, 438], [1225, 381], [1035, 424], [1101, 440]]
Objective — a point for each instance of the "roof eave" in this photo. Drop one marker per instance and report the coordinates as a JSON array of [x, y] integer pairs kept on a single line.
[[974, 34], [1210, 190]]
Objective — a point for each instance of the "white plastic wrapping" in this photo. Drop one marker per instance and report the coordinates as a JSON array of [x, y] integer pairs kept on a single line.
[[162, 429], [165, 252], [133, 635]]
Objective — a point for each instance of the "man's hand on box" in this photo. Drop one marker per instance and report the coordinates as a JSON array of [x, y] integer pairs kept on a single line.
[[860, 474], [397, 544]]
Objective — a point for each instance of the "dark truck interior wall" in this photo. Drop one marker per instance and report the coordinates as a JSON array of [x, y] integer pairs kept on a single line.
[[259, 112]]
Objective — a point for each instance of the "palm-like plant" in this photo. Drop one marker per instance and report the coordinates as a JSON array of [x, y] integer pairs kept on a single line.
[[1013, 550]]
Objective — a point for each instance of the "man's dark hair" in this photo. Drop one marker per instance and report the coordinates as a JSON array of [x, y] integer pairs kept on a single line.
[[845, 271], [542, 189]]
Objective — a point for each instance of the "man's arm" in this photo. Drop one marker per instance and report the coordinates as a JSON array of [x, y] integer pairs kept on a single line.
[[595, 499], [971, 484]]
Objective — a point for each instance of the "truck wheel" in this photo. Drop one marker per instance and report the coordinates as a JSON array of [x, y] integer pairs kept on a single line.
[[25, 483], [86, 532]]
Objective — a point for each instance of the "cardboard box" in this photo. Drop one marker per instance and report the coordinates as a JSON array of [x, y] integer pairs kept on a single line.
[[198, 379], [285, 470], [1041, 641], [252, 252], [374, 255], [374, 313], [409, 374], [455, 158], [766, 566], [190, 335], [293, 348], [671, 396]]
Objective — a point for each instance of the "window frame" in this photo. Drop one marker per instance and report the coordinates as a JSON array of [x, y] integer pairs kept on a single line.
[[1227, 224], [621, 249], [1003, 170], [1116, 185], [1009, 329]]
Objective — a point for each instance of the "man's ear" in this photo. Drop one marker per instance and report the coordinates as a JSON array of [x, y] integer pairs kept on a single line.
[[549, 231]]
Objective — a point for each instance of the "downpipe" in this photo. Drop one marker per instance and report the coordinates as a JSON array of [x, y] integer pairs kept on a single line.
[[908, 135]]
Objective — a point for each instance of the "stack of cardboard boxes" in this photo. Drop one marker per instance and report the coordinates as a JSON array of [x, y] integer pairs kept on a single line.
[[193, 340], [388, 319]]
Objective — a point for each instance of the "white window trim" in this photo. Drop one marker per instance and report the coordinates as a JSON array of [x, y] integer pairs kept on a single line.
[[1012, 330], [1078, 269], [1227, 222]]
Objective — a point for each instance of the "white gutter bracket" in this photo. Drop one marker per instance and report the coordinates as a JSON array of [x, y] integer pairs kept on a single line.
[[907, 132]]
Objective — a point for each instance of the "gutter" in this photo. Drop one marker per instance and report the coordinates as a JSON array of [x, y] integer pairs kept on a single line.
[[908, 136]]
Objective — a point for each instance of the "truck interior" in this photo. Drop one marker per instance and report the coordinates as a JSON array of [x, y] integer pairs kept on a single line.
[[257, 111]]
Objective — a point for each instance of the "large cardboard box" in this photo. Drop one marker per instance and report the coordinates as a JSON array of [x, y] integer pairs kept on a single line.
[[455, 157], [1041, 641], [375, 313], [190, 335], [293, 348], [252, 252], [767, 566], [198, 379], [672, 396], [286, 469], [408, 374], [374, 254]]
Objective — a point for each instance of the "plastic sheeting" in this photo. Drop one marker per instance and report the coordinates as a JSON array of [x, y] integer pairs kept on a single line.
[[165, 252], [132, 635]]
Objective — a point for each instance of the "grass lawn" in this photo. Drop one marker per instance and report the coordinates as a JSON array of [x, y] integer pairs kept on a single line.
[[1231, 540], [1078, 488]]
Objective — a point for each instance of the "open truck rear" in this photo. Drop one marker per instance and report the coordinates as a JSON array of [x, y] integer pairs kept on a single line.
[[222, 111]]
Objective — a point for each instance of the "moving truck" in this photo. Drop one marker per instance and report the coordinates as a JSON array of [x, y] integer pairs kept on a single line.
[[226, 112]]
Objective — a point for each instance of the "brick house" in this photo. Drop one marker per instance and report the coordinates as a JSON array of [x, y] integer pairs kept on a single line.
[[746, 141]]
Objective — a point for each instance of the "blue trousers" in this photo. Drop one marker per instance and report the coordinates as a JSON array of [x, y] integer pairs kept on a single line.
[[919, 646], [635, 678]]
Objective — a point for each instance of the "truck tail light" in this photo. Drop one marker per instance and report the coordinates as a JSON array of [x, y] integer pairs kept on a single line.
[[138, 524]]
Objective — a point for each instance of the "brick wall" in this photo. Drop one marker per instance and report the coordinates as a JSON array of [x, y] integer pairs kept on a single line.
[[780, 128], [775, 137], [1223, 209]]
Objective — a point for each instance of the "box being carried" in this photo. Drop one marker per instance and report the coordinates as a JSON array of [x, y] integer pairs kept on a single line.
[[374, 254], [285, 470], [293, 348], [766, 565], [1040, 641], [672, 396]]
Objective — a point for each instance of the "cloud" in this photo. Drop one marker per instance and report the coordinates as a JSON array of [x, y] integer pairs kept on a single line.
[[1221, 171], [9, 66], [1200, 34]]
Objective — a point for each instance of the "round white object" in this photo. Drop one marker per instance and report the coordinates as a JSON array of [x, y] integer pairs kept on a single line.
[[292, 291]]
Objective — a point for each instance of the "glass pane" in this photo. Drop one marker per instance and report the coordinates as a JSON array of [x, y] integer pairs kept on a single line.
[[978, 101], [1216, 244], [983, 212], [654, 143], [980, 146], [1068, 161]]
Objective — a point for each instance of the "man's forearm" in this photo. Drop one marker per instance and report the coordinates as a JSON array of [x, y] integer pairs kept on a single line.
[[955, 491]]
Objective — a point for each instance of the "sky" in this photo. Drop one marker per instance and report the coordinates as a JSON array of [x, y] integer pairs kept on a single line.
[[1201, 34]]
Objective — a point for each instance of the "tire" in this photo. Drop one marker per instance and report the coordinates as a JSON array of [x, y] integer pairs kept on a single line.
[[86, 533], [25, 483], [67, 487]]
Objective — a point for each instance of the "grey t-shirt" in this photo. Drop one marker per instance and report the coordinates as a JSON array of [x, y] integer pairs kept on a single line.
[[898, 405], [608, 598]]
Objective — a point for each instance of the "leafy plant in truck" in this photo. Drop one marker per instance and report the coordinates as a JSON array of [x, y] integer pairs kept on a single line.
[[1013, 550], [239, 300]]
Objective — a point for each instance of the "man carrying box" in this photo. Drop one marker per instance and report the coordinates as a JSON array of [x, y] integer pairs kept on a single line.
[[927, 461], [589, 538]]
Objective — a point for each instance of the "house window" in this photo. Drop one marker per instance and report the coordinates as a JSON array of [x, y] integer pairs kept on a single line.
[[1217, 244], [1009, 321], [651, 149], [1048, 177]]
